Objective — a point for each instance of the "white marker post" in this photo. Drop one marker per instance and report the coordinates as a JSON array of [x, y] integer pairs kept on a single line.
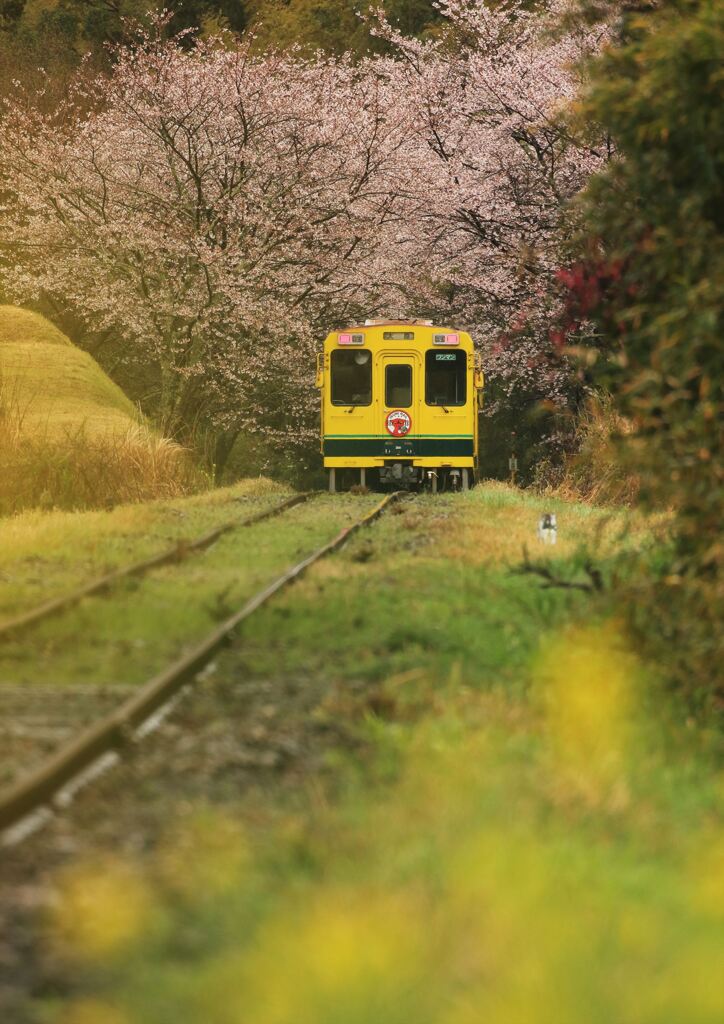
[[547, 528]]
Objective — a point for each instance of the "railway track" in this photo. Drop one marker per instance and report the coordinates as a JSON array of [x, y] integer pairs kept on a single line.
[[179, 552], [36, 720], [26, 804]]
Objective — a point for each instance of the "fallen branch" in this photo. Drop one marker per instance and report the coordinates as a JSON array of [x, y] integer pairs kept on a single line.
[[594, 584]]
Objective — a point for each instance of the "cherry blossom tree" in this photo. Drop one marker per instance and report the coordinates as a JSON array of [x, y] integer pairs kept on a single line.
[[214, 208], [220, 209], [497, 167]]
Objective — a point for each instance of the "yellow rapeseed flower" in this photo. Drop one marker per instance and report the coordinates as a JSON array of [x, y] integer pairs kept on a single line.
[[352, 951], [706, 873], [102, 907], [586, 681]]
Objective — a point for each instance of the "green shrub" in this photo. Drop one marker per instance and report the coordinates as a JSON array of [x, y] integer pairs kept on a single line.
[[652, 278]]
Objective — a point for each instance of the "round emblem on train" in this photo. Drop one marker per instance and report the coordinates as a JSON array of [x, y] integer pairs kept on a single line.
[[398, 423]]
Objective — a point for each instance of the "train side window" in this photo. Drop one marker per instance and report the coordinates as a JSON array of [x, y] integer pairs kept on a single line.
[[446, 377], [351, 377], [398, 386]]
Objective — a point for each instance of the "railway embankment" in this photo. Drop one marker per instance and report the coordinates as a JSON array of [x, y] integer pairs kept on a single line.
[[69, 437], [414, 777]]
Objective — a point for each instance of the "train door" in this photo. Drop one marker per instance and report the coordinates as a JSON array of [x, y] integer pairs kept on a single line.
[[398, 401]]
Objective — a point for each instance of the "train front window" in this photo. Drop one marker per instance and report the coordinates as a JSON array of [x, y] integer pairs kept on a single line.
[[445, 378], [351, 377], [398, 386]]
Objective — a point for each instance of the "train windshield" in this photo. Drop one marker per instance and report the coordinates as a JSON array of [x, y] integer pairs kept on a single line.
[[351, 377], [445, 378]]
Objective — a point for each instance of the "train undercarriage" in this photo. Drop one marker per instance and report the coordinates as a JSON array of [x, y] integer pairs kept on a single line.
[[401, 476]]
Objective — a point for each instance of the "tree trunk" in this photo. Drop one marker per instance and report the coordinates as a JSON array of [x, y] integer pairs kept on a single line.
[[223, 448]]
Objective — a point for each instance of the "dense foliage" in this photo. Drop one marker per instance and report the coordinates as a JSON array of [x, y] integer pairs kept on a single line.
[[652, 278], [333, 26]]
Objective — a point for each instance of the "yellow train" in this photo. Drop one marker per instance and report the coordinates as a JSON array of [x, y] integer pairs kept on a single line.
[[400, 404]]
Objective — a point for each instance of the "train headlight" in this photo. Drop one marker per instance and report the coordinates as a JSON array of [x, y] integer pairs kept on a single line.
[[351, 339], [446, 339]]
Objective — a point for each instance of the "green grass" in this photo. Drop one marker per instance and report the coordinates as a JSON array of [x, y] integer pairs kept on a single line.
[[508, 828], [47, 554], [126, 636], [432, 571], [142, 621]]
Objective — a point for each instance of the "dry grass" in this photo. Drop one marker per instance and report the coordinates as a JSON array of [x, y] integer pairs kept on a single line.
[[81, 471], [598, 472], [69, 437]]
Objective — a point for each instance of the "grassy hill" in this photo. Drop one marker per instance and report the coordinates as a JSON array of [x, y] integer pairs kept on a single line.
[[69, 437], [52, 384]]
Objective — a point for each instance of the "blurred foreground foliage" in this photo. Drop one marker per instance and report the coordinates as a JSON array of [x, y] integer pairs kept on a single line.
[[493, 859], [652, 280], [502, 822]]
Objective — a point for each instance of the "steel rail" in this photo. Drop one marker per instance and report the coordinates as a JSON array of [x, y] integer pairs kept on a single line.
[[178, 553], [118, 729]]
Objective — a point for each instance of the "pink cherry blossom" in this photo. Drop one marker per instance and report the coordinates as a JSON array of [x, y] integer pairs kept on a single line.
[[220, 210]]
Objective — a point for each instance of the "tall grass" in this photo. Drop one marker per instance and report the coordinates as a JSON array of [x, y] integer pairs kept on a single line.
[[597, 472], [74, 468]]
